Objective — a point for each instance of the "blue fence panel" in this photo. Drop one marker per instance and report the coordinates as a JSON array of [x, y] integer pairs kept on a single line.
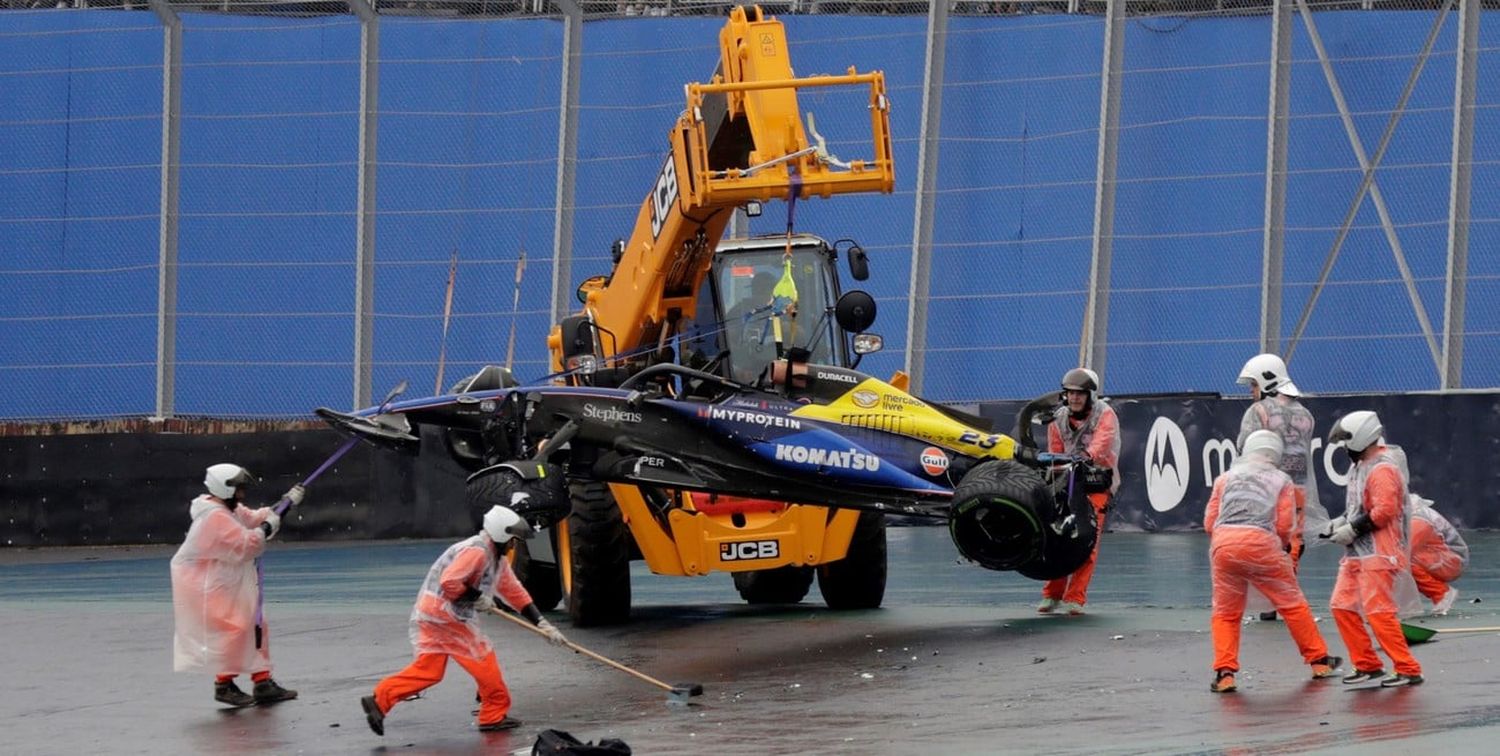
[[1015, 208], [268, 193], [1184, 305], [80, 105], [1365, 309], [468, 156]]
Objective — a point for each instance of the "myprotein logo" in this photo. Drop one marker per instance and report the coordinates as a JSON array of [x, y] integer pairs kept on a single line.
[[610, 414], [934, 461], [750, 418], [1167, 465], [736, 551], [845, 459]]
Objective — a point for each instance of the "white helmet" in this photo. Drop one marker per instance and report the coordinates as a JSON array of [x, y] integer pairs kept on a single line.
[[503, 524], [222, 479], [1269, 372], [1264, 444], [1358, 430]]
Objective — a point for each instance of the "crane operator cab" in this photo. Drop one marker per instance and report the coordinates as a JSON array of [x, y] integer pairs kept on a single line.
[[735, 331]]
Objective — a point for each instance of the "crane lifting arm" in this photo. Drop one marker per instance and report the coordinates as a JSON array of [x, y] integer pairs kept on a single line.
[[740, 139]]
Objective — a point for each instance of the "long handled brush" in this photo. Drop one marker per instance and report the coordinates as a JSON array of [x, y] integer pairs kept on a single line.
[[679, 693], [1419, 634]]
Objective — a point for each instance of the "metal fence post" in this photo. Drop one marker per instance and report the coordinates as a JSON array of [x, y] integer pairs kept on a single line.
[[1466, 68], [166, 278], [1274, 236], [927, 171], [567, 159], [364, 234], [1095, 341]]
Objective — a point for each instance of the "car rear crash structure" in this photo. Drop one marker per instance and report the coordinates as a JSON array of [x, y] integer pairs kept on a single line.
[[703, 423]]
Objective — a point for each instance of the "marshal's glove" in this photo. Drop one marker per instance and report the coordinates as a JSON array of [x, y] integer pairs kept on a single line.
[[1343, 534], [554, 636], [294, 494], [484, 604]]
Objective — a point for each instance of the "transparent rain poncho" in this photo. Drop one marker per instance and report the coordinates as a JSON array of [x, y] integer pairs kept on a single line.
[[214, 590]]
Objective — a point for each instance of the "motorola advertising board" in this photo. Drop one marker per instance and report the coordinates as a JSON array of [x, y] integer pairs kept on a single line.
[[1173, 447]]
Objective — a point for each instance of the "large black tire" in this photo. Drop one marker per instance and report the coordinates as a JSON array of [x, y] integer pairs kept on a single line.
[[545, 503], [782, 585], [600, 550], [1066, 545], [497, 486], [858, 580], [997, 517], [541, 579]]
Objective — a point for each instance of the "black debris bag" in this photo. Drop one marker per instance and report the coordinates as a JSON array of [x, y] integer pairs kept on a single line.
[[555, 742]]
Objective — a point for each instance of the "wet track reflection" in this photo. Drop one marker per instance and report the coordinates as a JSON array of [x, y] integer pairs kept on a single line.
[[956, 662]]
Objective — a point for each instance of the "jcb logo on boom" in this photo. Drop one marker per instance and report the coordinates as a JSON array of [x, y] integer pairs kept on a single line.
[[736, 551], [663, 197]]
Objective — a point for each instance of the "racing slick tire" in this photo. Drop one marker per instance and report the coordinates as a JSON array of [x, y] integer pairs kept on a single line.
[[599, 544], [858, 580], [498, 485], [997, 517], [782, 585]]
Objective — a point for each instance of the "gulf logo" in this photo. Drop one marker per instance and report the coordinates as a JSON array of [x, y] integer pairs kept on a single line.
[[934, 461], [865, 398]]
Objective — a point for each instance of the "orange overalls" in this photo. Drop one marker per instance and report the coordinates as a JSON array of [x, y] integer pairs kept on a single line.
[[1249, 520], [1438, 554], [1098, 436], [441, 629], [1371, 564]]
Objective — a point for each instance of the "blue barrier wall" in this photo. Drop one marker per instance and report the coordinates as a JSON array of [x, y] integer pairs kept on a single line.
[[80, 166], [467, 142]]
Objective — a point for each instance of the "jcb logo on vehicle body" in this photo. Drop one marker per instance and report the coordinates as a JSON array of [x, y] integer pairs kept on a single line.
[[735, 551], [663, 197]]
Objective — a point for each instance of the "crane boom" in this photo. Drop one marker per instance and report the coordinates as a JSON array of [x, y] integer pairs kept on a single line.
[[740, 139]]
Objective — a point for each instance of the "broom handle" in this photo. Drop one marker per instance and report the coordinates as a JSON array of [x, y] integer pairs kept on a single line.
[[1467, 630], [580, 649]]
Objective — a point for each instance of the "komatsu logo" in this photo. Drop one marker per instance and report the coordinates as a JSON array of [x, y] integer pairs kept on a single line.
[[850, 459], [750, 418], [610, 414], [735, 551]]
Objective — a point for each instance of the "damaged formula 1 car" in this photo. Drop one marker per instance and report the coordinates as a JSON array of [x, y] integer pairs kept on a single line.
[[829, 438], [697, 422]]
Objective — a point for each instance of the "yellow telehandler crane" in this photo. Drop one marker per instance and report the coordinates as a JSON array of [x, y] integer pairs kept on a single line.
[[739, 142]]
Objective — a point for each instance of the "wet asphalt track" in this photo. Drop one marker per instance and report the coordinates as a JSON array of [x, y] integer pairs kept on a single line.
[[956, 662]]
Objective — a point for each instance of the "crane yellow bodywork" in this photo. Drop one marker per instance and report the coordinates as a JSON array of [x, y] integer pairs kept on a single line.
[[739, 139]]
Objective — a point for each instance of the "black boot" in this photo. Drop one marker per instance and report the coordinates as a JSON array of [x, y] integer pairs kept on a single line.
[[267, 691], [373, 716], [505, 723], [229, 693]]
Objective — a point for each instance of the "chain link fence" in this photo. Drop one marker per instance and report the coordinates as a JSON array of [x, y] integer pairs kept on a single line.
[[319, 196]]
